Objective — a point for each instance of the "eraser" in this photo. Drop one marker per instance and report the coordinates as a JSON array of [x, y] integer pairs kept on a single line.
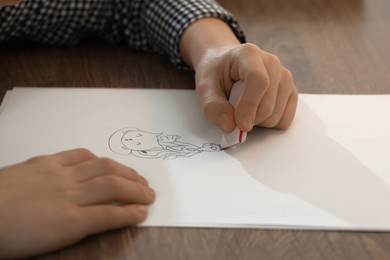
[[236, 136]]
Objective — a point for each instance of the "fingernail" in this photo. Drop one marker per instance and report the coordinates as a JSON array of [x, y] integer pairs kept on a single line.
[[247, 122], [152, 192], [223, 121]]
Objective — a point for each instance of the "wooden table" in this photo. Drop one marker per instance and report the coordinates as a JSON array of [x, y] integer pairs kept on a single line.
[[331, 46]]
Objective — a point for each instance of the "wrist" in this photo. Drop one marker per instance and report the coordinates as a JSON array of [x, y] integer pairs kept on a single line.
[[205, 37]]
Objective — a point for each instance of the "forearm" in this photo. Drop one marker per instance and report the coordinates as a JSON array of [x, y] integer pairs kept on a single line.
[[205, 35]]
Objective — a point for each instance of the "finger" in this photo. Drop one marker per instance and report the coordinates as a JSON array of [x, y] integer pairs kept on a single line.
[[102, 218], [269, 100], [215, 104], [289, 113], [104, 166], [113, 189], [284, 92], [254, 87], [73, 157], [255, 83]]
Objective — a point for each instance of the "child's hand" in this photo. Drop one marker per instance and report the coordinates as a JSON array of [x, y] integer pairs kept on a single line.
[[268, 98], [49, 202]]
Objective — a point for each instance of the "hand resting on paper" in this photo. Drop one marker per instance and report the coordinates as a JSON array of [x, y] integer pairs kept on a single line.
[[269, 96], [49, 202]]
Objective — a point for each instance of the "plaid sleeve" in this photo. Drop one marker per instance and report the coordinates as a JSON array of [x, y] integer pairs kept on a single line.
[[59, 22], [165, 21], [150, 25]]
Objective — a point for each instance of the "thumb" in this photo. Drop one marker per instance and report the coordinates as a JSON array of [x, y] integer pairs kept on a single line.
[[215, 104]]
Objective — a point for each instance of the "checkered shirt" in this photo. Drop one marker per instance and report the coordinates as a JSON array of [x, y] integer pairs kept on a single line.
[[148, 25]]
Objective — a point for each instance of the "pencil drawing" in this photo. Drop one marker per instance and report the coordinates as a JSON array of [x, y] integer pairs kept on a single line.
[[148, 145]]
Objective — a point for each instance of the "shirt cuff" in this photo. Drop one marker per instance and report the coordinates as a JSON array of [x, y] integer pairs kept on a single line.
[[165, 22]]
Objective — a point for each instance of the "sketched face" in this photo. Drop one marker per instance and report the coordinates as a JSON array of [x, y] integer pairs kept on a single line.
[[210, 147], [138, 140]]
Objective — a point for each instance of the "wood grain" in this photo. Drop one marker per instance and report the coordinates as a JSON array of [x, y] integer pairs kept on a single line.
[[331, 46]]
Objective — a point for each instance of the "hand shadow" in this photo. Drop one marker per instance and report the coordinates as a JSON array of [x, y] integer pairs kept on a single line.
[[316, 169]]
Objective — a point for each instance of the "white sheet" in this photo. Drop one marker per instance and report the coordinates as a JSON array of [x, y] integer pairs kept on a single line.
[[330, 170]]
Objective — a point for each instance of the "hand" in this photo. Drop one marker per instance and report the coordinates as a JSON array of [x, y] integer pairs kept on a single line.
[[269, 97], [49, 202]]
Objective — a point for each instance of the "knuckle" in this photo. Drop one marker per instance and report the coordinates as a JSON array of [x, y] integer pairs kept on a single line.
[[287, 75], [287, 83], [250, 48], [274, 60], [107, 164], [85, 152], [39, 159]]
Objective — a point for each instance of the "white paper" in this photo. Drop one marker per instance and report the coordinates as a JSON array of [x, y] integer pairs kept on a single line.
[[330, 170]]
